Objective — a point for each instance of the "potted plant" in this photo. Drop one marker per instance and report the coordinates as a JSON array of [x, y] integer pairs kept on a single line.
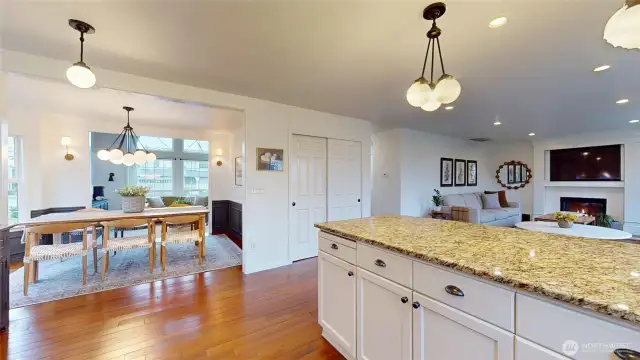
[[436, 198], [565, 220], [133, 198], [604, 220]]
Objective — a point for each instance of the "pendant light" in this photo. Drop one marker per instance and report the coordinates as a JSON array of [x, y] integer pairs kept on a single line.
[[623, 28], [79, 74], [124, 149], [427, 94]]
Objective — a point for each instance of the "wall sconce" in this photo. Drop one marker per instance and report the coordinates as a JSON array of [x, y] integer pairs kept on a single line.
[[219, 159], [66, 141]]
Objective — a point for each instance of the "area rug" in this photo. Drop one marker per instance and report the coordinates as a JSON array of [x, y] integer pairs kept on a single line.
[[63, 279]]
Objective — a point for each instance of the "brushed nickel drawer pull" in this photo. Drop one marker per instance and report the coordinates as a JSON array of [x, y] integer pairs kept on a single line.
[[454, 290], [627, 354], [334, 246], [380, 263]]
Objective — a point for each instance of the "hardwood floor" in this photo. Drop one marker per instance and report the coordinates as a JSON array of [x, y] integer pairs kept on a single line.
[[219, 315]]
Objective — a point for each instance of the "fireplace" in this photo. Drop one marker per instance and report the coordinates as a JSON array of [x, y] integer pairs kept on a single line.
[[589, 206]]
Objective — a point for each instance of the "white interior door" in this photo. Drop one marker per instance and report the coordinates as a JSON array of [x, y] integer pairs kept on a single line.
[[307, 193], [345, 179]]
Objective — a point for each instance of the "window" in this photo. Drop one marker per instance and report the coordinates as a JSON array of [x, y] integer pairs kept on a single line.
[[13, 153], [155, 143], [196, 177], [157, 176], [196, 146]]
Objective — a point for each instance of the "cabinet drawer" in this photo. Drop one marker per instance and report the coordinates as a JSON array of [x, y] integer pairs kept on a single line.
[[526, 350], [552, 326], [485, 301], [337, 249], [385, 264]]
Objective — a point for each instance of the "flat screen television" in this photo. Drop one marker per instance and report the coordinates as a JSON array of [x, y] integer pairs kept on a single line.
[[596, 163]]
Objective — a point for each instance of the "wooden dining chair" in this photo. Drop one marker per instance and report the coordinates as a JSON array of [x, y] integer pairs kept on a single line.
[[34, 253], [128, 242], [186, 228]]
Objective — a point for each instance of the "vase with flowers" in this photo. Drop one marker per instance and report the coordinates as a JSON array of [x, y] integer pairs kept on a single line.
[[565, 220], [133, 198]]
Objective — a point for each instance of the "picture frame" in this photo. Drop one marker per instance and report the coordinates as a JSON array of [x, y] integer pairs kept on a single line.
[[472, 173], [446, 172], [460, 178], [238, 171], [523, 175], [517, 174], [510, 173], [269, 159]]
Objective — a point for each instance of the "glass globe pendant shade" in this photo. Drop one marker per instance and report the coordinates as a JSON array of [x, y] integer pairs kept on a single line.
[[103, 155], [128, 159], [151, 157], [447, 89], [117, 162], [431, 105], [419, 92], [623, 28], [81, 76], [115, 154], [140, 157]]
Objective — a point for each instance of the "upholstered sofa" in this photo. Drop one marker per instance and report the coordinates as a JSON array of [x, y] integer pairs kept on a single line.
[[472, 203], [163, 201]]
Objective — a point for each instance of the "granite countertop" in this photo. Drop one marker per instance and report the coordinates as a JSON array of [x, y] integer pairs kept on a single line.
[[599, 275]]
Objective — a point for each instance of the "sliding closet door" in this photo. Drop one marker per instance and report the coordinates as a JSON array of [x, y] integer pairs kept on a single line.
[[307, 193], [345, 179]]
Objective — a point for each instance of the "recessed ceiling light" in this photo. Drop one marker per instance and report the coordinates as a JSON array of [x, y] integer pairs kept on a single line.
[[601, 68], [497, 123], [497, 22], [532, 134], [634, 121], [449, 108], [622, 101], [586, 153]]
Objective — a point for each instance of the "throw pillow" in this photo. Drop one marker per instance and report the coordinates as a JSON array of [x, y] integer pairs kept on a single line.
[[201, 201], [155, 202], [502, 197], [490, 201], [189, 199]]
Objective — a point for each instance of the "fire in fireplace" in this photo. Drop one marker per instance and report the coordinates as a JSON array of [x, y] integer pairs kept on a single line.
[[589, 206]]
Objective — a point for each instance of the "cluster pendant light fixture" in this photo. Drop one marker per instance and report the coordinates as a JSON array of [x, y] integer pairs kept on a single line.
[[79, 74], [124, 149], [427, 94], [623, 28]]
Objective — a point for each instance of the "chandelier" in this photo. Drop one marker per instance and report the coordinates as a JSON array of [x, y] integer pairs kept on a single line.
[[623, 29], [79, 74], [427, 94], [124, 149]]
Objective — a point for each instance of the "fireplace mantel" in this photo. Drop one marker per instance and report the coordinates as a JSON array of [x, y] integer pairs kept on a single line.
[[599, 184]]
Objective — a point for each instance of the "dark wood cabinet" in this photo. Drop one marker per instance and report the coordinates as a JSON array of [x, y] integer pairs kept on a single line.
[[226, 218]]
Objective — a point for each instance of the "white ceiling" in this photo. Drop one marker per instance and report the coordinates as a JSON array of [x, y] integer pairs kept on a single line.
[[358, 57], [106, 105]]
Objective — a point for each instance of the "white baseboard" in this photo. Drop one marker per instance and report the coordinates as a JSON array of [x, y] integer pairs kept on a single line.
[[327, 336]]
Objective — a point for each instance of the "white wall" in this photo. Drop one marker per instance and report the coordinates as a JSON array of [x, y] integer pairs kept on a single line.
[[237, 149], [267, 124], [407, 169], [623, 198]]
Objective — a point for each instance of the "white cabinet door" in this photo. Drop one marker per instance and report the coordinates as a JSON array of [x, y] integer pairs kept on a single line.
[[526, 350], [308, 194], [384, 319], [345, 179], [444, 333], [337, 302]]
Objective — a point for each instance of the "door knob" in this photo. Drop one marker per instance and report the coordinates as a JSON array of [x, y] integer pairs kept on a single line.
[[416, 305], [293, 203], [404, 300], [350, 273], [627, 354], [358, 200]]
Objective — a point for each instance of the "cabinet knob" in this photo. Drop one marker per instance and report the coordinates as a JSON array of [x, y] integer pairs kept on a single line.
[[358, 200], [404, 300], [380, 263], [334, 246], [453, 290], [293, 203], [416, 305], [627, 354], [350, 273]]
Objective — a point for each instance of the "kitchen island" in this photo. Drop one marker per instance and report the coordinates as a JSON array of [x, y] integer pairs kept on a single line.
[[399, 287]]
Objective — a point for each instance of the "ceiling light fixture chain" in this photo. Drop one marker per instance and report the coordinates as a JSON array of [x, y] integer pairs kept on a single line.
[[431, 94]]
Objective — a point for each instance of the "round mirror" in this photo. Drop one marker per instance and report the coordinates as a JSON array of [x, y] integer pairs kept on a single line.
[[513, 175]]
